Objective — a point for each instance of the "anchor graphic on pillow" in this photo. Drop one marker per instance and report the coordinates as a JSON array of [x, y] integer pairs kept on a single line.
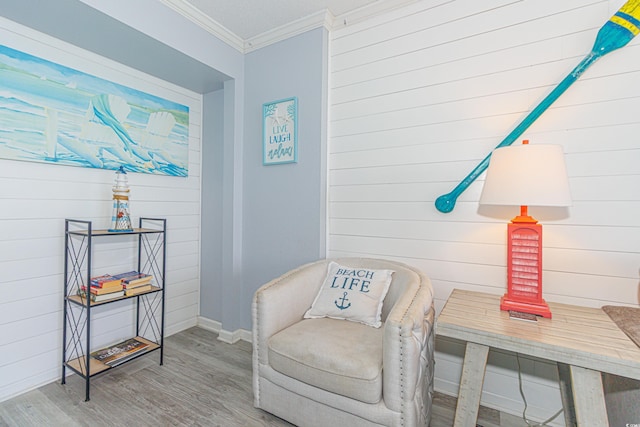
[[342, 300]]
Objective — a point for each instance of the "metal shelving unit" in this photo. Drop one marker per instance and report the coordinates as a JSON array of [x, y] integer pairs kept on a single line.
[[80, 238]]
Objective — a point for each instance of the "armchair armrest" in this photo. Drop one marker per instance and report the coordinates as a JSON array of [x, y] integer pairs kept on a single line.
[[279, 304], [283, 301], [408, 340]]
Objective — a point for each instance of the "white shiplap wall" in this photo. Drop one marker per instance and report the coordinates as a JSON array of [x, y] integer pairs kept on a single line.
[[420, 95], [36, 198]]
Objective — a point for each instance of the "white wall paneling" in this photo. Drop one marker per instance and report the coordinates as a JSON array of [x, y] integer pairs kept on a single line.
[[419, 96], [35, 200]]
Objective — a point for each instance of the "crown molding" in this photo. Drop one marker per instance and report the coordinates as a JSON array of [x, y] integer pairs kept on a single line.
[[367, 12], [321, 19], [196, 16]]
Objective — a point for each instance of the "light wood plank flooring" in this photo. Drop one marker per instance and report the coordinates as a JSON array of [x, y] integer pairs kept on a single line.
[[203, 382]]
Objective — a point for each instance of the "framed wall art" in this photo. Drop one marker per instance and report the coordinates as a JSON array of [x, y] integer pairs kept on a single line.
[[280, 131], [54, 114]]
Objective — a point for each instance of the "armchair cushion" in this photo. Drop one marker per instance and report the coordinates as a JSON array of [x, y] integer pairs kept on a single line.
[[351, 293], [320, 352]]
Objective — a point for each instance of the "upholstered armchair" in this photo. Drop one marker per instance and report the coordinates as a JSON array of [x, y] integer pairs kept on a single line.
[[330, 372]]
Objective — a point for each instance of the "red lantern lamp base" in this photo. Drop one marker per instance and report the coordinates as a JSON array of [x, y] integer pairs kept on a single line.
[[538, 308]]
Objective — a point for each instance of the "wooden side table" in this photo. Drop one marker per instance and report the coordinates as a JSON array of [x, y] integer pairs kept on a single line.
[[583, 341]]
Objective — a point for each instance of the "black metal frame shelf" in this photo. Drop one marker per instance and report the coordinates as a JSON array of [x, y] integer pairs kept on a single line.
[[149, 305]]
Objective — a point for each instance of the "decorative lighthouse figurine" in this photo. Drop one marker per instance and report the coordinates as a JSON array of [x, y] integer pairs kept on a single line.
[[121, 221]]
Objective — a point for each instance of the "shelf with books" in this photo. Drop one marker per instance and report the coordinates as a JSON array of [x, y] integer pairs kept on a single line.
[[144, 288], [80, 299], [108, 288], [111, 357]]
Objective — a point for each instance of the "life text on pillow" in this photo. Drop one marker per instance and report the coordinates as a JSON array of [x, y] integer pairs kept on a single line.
[[352, 278]]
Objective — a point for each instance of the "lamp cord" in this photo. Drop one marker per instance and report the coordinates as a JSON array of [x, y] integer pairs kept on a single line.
[[524, 399]]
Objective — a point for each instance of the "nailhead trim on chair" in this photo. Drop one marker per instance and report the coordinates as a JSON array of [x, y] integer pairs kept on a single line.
[[401, 373], [257, 344], [402, 379]]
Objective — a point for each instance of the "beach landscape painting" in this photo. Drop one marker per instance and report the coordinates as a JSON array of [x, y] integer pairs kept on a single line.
[[54, 114]]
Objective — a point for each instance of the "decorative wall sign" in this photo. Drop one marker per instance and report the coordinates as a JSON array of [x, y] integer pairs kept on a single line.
[[280, 132], [54, 114]]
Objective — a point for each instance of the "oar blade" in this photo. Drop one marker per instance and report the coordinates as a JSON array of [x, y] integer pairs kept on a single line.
[[619, 30]]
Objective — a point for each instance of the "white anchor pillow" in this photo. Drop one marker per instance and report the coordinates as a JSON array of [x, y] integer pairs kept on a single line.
[[351, 293]]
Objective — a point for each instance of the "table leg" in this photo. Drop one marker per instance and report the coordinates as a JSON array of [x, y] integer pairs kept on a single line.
[[473, 369], [564, 375], [588, 397]]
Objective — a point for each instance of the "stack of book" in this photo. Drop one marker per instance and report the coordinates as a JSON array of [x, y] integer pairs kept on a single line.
[[121, 352], [134, 282], [103, 288]]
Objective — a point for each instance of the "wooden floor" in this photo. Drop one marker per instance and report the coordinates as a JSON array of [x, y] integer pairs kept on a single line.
[[203, 382]]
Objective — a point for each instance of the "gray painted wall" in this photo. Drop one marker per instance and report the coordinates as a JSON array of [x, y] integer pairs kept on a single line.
[[261, 221], [211, 248], [284, 205], [221, 229]]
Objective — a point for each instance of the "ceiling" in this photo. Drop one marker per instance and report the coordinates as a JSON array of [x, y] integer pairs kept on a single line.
[[249, 18], [76, 23], [85, 27]]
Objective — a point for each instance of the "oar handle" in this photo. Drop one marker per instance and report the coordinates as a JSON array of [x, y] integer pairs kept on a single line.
[[447, 202]]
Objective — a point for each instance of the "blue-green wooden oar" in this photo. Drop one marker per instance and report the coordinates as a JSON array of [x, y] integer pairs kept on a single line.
[[614, 34]]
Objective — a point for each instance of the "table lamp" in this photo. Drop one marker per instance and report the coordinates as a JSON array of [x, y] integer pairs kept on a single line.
[[526, 175]]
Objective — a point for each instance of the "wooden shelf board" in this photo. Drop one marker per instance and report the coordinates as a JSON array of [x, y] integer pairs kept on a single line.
[[105, 232], [96, 367], [81, 301]]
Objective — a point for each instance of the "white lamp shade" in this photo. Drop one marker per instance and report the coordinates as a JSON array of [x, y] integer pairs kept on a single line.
[[527, 175]]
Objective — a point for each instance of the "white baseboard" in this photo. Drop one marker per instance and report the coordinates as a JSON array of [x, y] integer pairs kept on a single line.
[[224, 335], [30, 383], [209, 325], [235, 336], [179, 327]]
